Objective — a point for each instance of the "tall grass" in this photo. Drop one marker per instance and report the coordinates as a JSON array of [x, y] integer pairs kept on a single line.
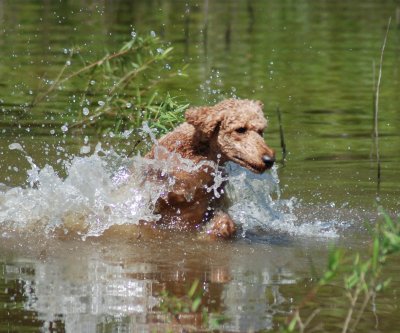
[[360, 278]]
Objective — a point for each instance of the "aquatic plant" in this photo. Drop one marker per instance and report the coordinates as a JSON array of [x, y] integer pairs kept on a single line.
[[361, 278], [190, 304], [118, 91]]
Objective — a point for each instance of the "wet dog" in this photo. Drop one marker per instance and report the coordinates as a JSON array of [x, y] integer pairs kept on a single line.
[[232, 130]]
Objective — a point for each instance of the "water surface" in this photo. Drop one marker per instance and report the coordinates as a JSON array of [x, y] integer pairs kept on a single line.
[[315, 61]]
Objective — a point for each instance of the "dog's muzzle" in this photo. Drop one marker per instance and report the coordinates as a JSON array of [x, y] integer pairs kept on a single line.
[[268, 161]]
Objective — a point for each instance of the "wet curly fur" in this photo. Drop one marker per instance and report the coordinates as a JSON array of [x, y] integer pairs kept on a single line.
[[232, 130]]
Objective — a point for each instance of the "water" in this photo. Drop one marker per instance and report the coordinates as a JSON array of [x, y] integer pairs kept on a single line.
[[313, 61], [105, 189]]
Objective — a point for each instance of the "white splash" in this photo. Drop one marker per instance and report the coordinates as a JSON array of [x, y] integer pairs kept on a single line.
[[99, 191], [104, 189], [256, 204]]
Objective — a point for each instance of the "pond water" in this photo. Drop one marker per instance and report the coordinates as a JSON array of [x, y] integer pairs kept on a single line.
[[315, 61]]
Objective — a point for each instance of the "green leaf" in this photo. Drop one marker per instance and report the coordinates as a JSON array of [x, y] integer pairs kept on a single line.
[[193, 288], [139, 59], [375, 254], [196, 303], [388, 221], [292, 324], [392, 238], [352, 280], [167, 51]]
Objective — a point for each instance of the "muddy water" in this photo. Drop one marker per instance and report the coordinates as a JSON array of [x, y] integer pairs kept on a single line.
[[312, 60]]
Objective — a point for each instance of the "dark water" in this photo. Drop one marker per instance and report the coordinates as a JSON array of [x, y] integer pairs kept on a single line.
[[316, 61]]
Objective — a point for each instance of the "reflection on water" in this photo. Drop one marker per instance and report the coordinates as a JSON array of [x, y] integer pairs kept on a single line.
[[110, 286]]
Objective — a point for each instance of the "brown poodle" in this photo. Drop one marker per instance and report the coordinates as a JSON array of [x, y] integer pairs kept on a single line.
[[232, 130]]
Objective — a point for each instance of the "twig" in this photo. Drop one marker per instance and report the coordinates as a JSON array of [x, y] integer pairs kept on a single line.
[[187, 29], [124, 81], [228, 31], [205, 28], [56, 83], [367, 298], [100, 62], [311, 317], [376, 109], [378, 84], [250, 11], [353, 301], [281, 134]]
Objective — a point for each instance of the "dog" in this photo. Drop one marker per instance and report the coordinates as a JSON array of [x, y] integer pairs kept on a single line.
[[231, 130]]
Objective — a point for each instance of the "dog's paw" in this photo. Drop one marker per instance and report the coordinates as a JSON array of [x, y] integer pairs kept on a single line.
[[222, 226]]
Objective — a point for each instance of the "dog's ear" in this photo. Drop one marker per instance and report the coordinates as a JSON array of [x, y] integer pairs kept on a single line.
[[205, 119]]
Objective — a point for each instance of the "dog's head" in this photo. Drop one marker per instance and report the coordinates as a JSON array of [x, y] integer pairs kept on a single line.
[[234, 129]]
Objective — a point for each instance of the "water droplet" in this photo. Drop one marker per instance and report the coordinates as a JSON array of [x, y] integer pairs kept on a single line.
[[85, 111], [68, 63], [92, 82], [64, 128], [15, 146], [85, 150], [128, 105], [152, 34], [101, 103]]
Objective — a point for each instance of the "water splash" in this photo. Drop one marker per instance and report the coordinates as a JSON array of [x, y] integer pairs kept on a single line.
[[95, 194], [256, 204], [105, 189]]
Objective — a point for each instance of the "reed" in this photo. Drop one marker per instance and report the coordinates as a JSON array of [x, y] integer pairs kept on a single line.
[[205, 27], [252, 17], [376, 107], [362, 278], [186, 29], [281, 135]]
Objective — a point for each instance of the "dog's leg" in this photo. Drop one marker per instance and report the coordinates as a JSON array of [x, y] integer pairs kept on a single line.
[[221, 226]]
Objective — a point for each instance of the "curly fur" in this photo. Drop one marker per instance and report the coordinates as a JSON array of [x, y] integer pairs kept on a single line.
[[231, 130]]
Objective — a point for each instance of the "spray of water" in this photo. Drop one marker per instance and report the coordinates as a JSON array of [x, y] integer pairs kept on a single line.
[[105, 189]]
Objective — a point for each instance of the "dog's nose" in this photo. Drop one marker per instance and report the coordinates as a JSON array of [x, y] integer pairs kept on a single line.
[[268, 161]]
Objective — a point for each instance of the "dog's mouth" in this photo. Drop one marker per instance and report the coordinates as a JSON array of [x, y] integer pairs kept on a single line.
[[250, 166]]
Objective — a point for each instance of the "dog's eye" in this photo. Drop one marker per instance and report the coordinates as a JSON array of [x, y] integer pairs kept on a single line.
[[241, 130]]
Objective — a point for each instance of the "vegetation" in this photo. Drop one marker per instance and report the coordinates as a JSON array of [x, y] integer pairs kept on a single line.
[[191, 304], [118, 91], [361, 278]]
